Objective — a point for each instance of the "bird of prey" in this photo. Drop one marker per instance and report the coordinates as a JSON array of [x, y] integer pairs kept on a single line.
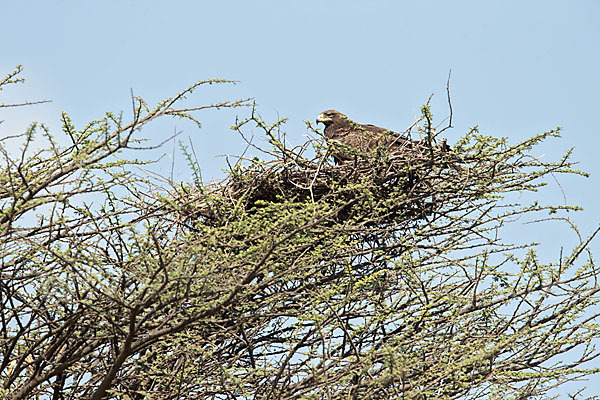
[[350, 139]]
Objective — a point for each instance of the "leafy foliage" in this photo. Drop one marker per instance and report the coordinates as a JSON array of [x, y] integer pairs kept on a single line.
[[291, 279]]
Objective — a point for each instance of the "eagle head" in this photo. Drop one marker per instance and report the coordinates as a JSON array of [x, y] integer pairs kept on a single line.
[[330, 117]]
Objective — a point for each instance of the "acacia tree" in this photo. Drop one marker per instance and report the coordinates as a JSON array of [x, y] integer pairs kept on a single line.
[[385, 277]]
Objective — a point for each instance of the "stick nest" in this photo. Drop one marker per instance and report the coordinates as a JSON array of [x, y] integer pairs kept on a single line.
[[408, 182]]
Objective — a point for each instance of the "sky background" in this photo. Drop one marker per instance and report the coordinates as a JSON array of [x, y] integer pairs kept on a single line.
[[518, 68]]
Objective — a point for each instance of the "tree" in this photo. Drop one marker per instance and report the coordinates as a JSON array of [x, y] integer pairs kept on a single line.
[[385, 277]]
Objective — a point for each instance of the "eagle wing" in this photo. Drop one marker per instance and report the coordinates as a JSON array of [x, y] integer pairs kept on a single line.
[[392, 139]]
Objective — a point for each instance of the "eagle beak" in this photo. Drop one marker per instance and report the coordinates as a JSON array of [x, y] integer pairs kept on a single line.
[[321, 118]]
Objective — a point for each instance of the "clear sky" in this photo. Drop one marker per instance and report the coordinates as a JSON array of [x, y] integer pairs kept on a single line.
[[518, 68]]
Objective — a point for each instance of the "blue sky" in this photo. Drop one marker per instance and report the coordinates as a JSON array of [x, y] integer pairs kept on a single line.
[[518, 68]]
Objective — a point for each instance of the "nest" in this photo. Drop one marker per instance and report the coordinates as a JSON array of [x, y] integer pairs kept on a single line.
[[406, 181]]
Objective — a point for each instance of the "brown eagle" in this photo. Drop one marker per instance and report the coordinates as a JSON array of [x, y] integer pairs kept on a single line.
[[350, 139]]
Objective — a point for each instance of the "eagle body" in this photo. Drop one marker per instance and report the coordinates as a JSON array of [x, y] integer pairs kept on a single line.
[[349, 139]]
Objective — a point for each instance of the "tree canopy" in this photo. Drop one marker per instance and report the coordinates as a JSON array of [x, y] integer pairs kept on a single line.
[[387, 276]]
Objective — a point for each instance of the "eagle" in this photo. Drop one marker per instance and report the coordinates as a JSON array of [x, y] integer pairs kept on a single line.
[[349, 139]]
